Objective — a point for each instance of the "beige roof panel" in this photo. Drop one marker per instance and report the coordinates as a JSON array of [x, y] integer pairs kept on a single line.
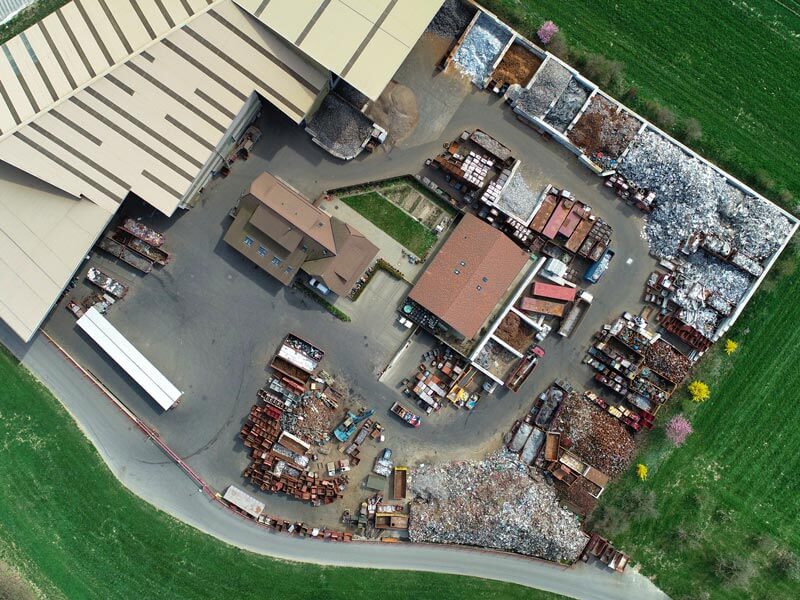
[[337, 33], [44, 235]]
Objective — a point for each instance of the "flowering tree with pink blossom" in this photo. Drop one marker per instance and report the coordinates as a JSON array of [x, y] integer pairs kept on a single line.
[[547, 31], [678, 429]]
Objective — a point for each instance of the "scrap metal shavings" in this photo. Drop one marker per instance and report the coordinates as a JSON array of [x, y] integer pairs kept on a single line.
[[481, 47], [493, 503]]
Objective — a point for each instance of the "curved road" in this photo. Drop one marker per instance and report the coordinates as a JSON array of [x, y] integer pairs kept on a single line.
[[140, 466]]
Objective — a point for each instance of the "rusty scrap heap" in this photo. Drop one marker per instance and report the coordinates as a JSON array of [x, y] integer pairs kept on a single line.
[[493, 503], [279, 463], [597, 437]]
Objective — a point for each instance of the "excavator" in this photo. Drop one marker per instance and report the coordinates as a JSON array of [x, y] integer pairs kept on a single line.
[[348, 427]]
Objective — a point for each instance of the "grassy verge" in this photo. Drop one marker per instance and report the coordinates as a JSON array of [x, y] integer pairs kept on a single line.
[[29, 16], [729, 64], [75, 532], [383, 214], [719, 515]]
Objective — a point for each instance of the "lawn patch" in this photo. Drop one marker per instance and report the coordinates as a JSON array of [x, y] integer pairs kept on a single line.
[[395, 222]]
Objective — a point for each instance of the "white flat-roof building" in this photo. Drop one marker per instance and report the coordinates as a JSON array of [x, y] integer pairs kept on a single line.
[[101, 99], [133, 362]]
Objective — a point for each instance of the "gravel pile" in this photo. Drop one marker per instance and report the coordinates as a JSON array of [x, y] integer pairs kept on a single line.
[[452, 18], [567, 106], [492, 503], [517, 199], [340, 127], [549, 83], [691, 197], [480, 48]]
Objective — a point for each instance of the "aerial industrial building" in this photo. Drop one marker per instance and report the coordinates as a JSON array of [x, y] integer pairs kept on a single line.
[[99, 101]]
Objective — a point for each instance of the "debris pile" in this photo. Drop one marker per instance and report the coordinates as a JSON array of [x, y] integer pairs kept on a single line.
[[549, 83], [493, 503], [481, 47], [517, 199], [596, 437], [517, 66], [691, 197], [452, 18], [567, 106], [339, 128], [496, 359], [515, 332], [666, 360], [278, 460], [311, 418], [602, 131]]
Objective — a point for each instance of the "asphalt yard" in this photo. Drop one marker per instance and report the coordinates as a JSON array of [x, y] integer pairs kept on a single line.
[[211, 321]]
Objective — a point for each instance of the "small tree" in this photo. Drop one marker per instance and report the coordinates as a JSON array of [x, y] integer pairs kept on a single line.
[[678, 429], [546, 32], [691, 129], [786, 564], [730, 347], [736, 570], [641, 471], [699, 391]]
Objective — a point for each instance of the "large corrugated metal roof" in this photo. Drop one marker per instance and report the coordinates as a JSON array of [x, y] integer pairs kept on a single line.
[[104, 98], [363, 41], [101, 103], [44, 235]]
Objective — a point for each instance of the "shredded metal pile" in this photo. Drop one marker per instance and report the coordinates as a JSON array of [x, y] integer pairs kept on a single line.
[[452, 18], [492, 503], [517, 199], [481, 47], [691, 197], [549, 83], [603, 130], [340, 127], [597, 437], [567, 106]]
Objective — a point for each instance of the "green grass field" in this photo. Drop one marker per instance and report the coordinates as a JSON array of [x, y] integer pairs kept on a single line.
[[732, 488], [399, 225], [732, 65], [70, 528]]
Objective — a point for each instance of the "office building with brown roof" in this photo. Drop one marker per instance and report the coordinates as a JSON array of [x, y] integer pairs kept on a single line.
[[283, 233], [469, 276]]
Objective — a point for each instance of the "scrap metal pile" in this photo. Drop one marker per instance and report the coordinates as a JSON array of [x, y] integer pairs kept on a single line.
[[278, 460], [517, 199], [549, 83], [665, 360], [691, 198], [567, 106], [597, 437], [603, 133], [339, 127], [517, 66], [493, 503], [452, 18], [480, 48]]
